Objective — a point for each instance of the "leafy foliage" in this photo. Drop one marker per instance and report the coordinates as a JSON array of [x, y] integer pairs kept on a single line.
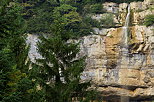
[[39, 16], [60, 69], [107, 20], [123, 1], [57, 77], [92, 22], [66, 16], [149, 20], [96, 8], [13, 55]]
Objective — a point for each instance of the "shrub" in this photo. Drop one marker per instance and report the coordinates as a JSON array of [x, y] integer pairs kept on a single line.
[[92, 22], [96, 8], [122, 1], [107, 20], [149, 20]]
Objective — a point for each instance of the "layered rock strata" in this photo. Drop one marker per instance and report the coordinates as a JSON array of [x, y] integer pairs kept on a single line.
[[121, 74]]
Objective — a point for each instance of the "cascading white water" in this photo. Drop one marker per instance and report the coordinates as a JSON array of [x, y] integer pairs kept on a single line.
[[125, 28], [124, 57]]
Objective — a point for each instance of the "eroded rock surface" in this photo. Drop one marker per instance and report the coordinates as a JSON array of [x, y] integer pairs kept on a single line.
[[121, 73]]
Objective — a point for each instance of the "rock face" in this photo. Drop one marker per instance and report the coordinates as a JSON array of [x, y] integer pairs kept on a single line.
[[117, 74], [33, 53], [121, 73]]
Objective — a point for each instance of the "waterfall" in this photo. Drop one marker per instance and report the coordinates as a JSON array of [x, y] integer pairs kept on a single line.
[[124, 57], [125, 28], [127, 17]]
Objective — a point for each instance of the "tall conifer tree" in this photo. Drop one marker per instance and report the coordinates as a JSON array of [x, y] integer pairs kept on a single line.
[[60, 69], [15, 84]]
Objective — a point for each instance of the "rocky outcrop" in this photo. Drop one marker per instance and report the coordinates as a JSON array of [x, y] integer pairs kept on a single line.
[[32, 41], [139, 10], [120, 73]]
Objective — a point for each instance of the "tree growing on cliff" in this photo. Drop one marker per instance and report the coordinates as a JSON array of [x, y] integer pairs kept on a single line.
[[60, 69]]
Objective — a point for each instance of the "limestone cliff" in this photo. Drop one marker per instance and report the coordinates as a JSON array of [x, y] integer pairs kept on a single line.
[[121, 72], [120, 60]]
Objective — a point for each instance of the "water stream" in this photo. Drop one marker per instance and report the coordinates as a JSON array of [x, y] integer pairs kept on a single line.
[[125, 50], [125, 28]]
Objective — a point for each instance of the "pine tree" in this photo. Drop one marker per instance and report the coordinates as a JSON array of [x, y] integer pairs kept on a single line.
[[60, 69], [15, 84]]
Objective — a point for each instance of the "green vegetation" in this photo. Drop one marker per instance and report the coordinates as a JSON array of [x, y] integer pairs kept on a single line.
[[44, 83], [60, 70], [15, 82], [92, 22], [107, 20], [96, 8], [56, 77], [123, 1], [39, 14], [149, 20]]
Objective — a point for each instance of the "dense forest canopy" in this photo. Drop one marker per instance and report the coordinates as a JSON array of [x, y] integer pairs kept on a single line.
[[39, 14]]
